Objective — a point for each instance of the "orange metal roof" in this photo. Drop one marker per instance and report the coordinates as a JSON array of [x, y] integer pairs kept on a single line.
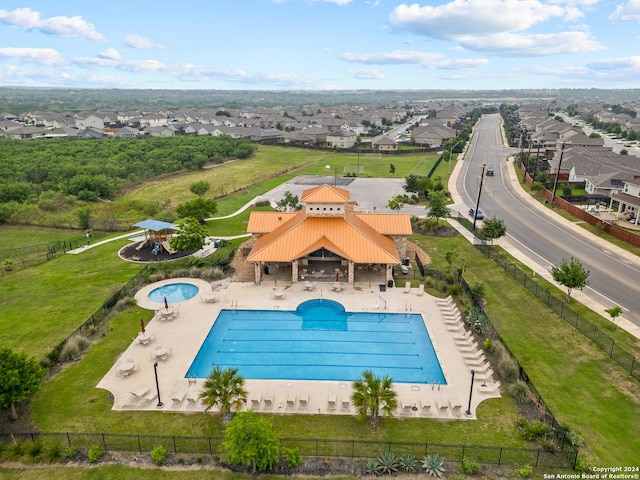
[[326, 194], [348, 236], [388, 223], [260, 223]]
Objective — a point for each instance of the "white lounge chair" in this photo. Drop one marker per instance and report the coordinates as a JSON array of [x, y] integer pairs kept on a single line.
[[407, 288]]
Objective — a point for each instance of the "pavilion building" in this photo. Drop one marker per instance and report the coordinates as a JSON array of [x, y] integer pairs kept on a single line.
[[327, 240]]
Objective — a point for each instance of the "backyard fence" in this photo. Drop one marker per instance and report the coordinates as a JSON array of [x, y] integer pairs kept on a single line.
[[616, 353], [325, 448]]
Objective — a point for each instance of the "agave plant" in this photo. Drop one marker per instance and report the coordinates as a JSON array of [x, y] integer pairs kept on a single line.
[[388, 462], [433, 465], [372, 467], [408, 463]]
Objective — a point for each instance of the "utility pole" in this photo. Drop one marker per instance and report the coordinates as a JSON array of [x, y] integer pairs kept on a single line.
[[555, 183], [475, 212]]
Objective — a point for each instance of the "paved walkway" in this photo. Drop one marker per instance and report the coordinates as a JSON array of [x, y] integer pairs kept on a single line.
[[182, 337]]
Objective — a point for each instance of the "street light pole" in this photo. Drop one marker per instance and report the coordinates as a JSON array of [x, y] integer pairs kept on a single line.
[[155, 371], [555, 183], [473, 374], [475, 212]]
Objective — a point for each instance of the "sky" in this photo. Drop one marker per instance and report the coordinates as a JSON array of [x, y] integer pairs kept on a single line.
[[321, 44]]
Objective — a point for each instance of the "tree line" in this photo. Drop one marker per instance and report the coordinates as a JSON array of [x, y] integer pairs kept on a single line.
[[45, 172]]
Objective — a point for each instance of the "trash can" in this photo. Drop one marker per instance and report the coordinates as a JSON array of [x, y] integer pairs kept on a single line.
[[265, 269], [390, 283], [383, 287], [406, 261]]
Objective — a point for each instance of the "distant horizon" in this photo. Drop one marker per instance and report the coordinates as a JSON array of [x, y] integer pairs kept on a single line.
[[321, 45]]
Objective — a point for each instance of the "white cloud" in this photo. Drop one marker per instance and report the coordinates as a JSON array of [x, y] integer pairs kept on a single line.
[[395, 57], [527, 45], [626, 12], [472, 17], [412, 57], [28, 19], [337, 2], [110, 54], [621, 65], [496, 27], [44, 56], [136, 41], [367, 74], [125, 65]]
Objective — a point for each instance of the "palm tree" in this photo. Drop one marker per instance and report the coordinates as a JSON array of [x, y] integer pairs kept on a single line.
[[226, 389], [372, 394]]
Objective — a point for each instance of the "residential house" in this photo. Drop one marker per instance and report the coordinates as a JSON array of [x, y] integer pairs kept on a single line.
[[628, 200], [341, 139], [383, 143]]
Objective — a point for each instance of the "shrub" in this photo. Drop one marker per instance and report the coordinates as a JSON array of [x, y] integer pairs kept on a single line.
[[468, 466], [533, 430], [433, 465], [487, 344], [124, 303], [159, 455], [408, 463], [372, 467], [526, 471], [53, 452], [95, 453], [575, 438], [73, 347], [294, 459], [156, 277], [262, 203], [519, 391], [32, 450], [582, 466], [388, 462], [15, 450], [476, 320], [70, 453]]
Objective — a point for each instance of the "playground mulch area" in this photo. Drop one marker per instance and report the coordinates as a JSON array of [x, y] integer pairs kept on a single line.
[[144, 255]]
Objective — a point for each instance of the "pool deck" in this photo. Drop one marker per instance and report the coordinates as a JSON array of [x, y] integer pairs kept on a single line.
[[181, 337]]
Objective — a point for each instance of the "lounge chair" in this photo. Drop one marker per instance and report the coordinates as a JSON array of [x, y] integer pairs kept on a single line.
[[256, 399], [291, 400], [332, 402], [420, 291], [303, 401], [268, 400], [139, 392], [407, 288], [345, 401]]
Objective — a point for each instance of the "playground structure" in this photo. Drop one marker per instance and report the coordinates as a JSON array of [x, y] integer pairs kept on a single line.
[[157, 236]]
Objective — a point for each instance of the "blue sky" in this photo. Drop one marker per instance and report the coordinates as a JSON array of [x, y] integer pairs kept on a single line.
[[321, 44]]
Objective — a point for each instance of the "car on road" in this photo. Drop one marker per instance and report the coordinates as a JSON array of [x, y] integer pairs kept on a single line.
[[479, 215]]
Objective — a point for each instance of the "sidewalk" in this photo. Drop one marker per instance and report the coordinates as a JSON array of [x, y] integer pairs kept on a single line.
[[543, 271]]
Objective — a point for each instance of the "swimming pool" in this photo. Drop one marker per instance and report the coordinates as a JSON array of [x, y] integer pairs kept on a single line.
[[319, 341], [174, 292]]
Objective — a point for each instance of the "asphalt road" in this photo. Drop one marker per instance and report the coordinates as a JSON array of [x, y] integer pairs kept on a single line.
[[541, 236]]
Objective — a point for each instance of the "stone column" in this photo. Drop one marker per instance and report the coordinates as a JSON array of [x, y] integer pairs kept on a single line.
[[350, 269], [257, 267], [294, 271]]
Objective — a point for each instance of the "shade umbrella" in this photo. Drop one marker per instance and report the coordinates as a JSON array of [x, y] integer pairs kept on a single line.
[[166, 304], [142, 324]]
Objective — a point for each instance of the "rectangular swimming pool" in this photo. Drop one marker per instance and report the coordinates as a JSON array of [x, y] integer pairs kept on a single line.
[[319, 342]]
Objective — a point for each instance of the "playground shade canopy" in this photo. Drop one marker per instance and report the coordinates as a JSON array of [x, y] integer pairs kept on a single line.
[[155, 225]]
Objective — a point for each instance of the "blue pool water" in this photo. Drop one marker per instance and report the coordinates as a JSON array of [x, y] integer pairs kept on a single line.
[[319, 341], [175, 292]]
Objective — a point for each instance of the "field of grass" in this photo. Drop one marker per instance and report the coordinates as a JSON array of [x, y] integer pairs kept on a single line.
[[271, 166]]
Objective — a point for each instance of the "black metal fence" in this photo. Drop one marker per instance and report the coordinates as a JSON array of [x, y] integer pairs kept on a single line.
[[623, 358], [99, 316], [32, 255], [308, 447]]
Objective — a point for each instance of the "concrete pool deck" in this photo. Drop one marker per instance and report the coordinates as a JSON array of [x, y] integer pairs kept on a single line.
[[181, 337]]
